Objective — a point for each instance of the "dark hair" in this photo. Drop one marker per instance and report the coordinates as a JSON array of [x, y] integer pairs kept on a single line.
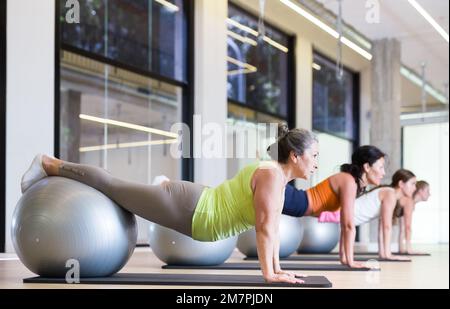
[[420, 185], [362, 155], [401, 175], [296, 140]]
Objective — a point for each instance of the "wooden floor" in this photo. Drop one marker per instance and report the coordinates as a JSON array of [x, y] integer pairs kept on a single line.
[[423, 272]]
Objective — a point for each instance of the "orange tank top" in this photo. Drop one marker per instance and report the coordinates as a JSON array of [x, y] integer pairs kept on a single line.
[[322, 198]]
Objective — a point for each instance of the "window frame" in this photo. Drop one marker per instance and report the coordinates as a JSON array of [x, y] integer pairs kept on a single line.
[[187, 165]]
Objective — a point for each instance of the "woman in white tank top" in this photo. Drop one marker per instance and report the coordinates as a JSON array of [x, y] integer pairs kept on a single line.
[[404, 212], [380, 203]]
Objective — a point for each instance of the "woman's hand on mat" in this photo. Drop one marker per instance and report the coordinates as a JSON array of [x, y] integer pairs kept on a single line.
[[282, 278], [397, 258], [290, 273], [358, 265], [412, 252]]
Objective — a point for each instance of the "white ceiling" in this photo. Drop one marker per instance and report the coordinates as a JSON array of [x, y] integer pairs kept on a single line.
[[398, 19]]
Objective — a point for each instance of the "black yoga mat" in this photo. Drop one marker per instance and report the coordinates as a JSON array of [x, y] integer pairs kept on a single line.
[[327, 258], [285, 266], [414, 254], [188, 279]]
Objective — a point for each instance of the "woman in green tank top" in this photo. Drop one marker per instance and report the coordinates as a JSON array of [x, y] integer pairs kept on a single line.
[[253, 198]]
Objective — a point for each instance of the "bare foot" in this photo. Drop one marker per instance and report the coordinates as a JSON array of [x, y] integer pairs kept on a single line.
[[51, 165]]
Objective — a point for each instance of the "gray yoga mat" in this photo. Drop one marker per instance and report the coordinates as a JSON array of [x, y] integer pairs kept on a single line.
[[285, 266], [188, 279], [326, 258]]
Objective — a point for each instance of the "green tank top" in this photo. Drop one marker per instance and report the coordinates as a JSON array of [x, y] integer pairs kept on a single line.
[[226, 210]]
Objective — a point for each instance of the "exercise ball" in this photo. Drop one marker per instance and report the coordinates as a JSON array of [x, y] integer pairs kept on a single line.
[[318, 237], [291, 233], [174, 248], [59, 220]]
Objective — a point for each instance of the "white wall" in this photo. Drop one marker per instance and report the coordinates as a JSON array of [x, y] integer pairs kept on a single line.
[[426, 153], [210, 83], [304, 86], [333, 152], [30, 91]]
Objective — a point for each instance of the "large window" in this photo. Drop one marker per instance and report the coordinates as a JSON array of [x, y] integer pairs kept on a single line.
[[124, 80], [259, 86], [335, 101], [258, 67], [120, 121]]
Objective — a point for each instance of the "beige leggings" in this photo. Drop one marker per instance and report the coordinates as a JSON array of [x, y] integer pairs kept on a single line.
[[171, 204]]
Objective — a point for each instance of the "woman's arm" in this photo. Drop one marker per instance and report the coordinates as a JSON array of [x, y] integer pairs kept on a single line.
[[381, 251], [267, 201], [388, 201], [276, 250], [342, 256], [407, 219], [347, 196], [401, 235]]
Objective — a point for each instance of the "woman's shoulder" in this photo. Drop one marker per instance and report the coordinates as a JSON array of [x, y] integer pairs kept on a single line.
[[342, 176], [379, 191], [385, 191], [268, 168], [387, 196], [266, 165], [268, 171], [342, 179]]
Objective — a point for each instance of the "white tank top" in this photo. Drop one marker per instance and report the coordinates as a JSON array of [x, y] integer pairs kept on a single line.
[[367, 207]]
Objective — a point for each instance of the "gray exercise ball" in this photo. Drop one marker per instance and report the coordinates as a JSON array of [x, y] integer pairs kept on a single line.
[[174, 248], [318, 237], [291, 234], [59, 220]]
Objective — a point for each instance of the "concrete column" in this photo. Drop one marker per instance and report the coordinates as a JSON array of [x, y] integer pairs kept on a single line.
[[386, 101], [210, 86], [364, 131], [385, 125]]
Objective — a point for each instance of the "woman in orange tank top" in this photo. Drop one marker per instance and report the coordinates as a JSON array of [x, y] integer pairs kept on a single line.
[[340, 192]]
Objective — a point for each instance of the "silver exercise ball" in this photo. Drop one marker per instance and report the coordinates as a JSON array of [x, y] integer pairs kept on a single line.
[[59, 221], [318, 237], [174, 248], [291, 234]]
